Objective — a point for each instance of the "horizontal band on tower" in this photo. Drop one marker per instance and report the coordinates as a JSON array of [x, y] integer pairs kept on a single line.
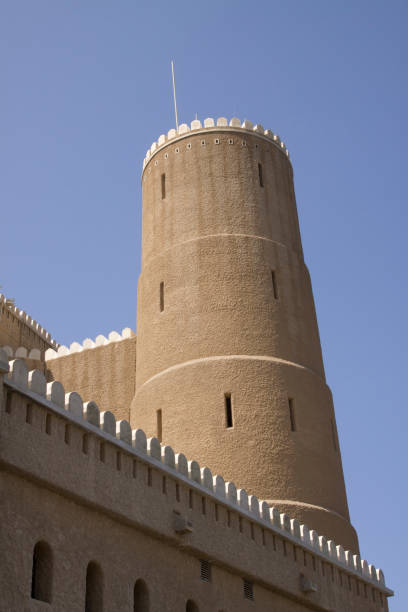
[[267, 358]]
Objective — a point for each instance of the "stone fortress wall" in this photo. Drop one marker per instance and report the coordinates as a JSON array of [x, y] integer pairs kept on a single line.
[[227, 330], [19, 330], [139, 511], [103, 370]]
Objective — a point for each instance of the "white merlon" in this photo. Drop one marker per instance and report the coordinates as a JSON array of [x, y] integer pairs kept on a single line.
[[23, 353], [196, 124], [87, 344], [119, 432]]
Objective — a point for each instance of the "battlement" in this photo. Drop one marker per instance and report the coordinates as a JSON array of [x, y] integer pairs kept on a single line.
[[160, 457], [23, 318], [100, 340], [22, 352], [221, 124]]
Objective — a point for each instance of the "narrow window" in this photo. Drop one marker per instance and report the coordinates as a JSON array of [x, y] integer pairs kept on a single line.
[[149, 477], [304, 558], [314, 563], [285, 552], [118, 461], [191, 606], [41, 576], [260, 175], [48, 424], [323, 569], [102, 452], [373, 592], [274, 284], [292, 414], [252, 531], [248, 590], [205, 571], [161, 296], [134, 468], [216, 512], [228, 518], [67, 433], [203, 506], [240, 524], [29, 414], [94, 588], [228, 410], [365, 590], [163, 186], [9, 396], [334, 436], [190, 499], [85, 444], [177, 492], [159, 425], [358, 588], [140, 597], [164, 485], [349, 583], [264, 539]]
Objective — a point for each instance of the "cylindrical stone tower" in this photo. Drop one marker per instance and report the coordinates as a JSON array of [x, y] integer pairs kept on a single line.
[[229, 364]]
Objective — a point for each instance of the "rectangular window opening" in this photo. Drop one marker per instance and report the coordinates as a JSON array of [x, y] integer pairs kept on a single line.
[[291, 403], [274, 285], [205, 571], [216, 512], [240, 524], [203, 508], [102, 452], [9, 396], [161, 296], [334, 436], [67, 433], [248, 590], [228, 518], [159, 425], [48, 424], [163, 186], [118, 461], [228, 410], [190, 499], [149, 477], [134, 468], [164, 485], [85, 444], [260, 174], [29, 414], [177, 492]]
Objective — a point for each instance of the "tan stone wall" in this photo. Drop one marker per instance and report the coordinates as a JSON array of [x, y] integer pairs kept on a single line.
[[115, 513], [14, 332], [104, 374], [213, 242]]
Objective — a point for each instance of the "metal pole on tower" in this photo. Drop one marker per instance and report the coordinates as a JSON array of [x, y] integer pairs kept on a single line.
[[174, 93]]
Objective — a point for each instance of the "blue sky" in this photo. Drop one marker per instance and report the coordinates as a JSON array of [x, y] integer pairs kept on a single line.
[[86, 89]]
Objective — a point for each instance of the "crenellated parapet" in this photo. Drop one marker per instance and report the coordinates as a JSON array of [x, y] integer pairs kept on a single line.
[[220, 124], [22, 352], [134, 443], [100, 340], [8, 309]]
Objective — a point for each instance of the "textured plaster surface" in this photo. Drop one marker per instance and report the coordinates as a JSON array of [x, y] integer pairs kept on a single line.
[[213, 240], [104, 374]]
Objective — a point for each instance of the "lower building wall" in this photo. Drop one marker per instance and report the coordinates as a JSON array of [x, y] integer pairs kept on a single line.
[[104, 374], [78, 535]]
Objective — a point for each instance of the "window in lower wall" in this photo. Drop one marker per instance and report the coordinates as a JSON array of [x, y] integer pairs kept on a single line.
[[42, 569], [94, 588]]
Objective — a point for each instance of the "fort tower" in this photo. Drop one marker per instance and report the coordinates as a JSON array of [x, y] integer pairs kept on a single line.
[[229, 365]]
